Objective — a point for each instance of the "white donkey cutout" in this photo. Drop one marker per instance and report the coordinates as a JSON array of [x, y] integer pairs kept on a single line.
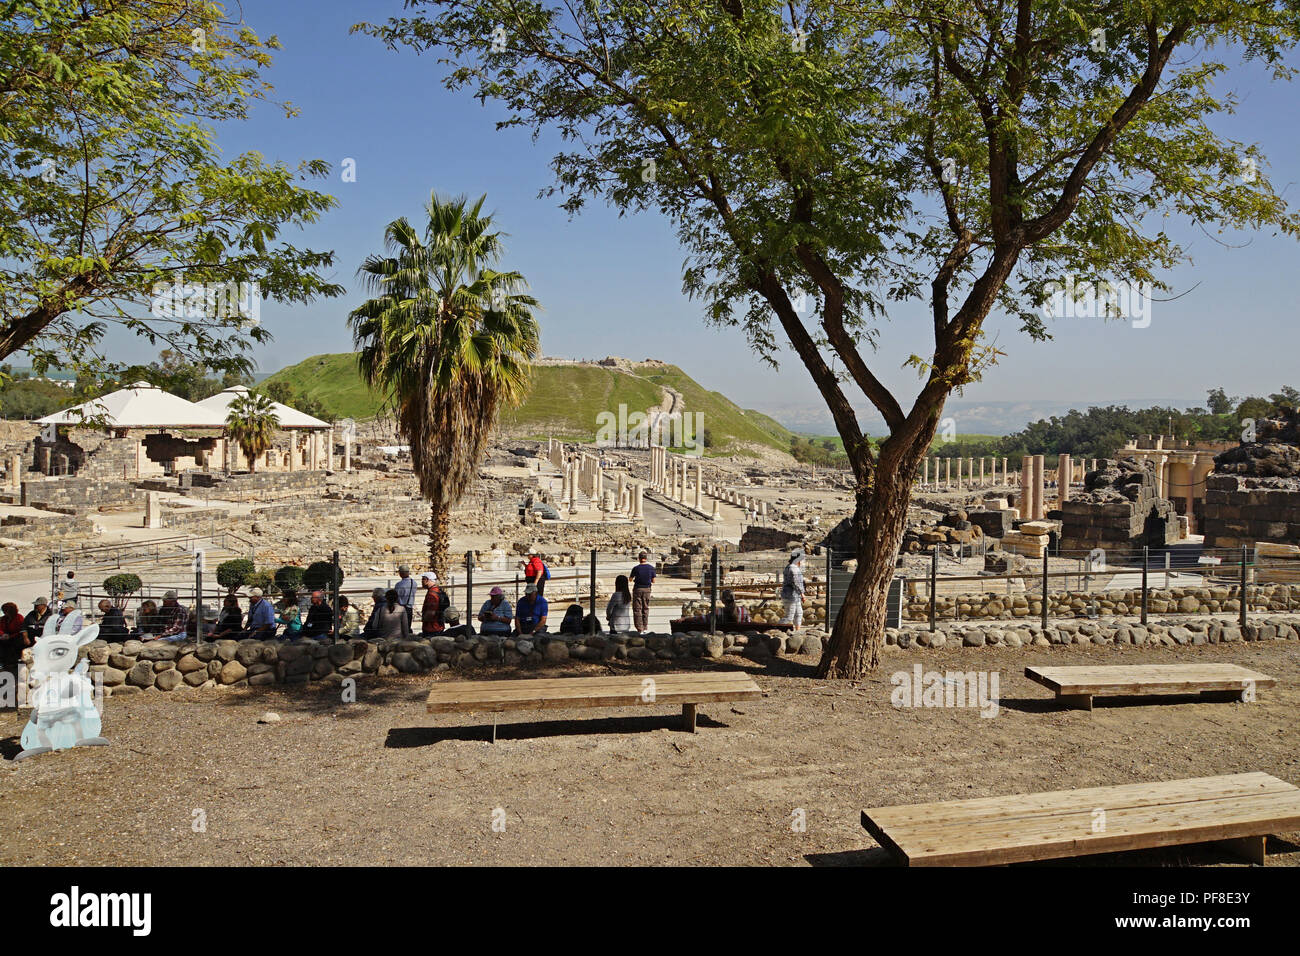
[[63, 704]]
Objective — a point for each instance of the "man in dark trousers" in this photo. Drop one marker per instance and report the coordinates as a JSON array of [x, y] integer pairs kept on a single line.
[[642, 578], [320, 617]]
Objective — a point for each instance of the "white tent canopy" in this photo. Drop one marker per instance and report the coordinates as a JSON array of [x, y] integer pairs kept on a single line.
[[140, 406], [289, 417]]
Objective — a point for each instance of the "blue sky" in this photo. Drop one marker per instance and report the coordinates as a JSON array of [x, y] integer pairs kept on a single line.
[[613, 286]]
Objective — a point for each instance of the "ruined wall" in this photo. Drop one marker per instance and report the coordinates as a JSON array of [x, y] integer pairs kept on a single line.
[[1118, 509], [1253, 494], [74, 495]]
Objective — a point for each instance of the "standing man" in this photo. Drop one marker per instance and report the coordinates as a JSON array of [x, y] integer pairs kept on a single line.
[[792, 590], [643, 577], [261, 616], [536, 572], [435, 602], [406, 591], [70, 591]]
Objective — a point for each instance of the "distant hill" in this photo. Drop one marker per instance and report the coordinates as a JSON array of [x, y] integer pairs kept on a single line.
[[565, 402]]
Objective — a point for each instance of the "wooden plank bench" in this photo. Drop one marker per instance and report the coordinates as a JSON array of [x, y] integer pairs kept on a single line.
[[1076, 686], [1238, 810], [689, 690]]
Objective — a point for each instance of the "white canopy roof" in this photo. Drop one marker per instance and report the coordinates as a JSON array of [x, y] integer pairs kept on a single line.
[[140, 406], [289, 417]]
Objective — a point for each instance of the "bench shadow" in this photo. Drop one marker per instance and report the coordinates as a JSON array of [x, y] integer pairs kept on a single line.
[[402, 737], [1030, 705], [10, 747], [871, 856]]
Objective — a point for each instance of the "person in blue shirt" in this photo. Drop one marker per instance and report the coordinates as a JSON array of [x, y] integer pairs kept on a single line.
[[261, 616], [643, 576], [405, 589], [530, 613]]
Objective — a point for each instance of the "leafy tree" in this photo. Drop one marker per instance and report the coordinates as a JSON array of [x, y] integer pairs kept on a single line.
[[319, 574], [121, 586], [449, 341], [262, 579], [804, 150], [289, 578], [251, 423], [113, 193], [234, 574], [1219, 402]]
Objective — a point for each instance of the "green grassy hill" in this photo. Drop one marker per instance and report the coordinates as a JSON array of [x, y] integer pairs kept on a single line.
[[564, 403]]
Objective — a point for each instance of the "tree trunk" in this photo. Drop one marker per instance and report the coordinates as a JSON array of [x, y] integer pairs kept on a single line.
[[879, 518], [439, 538]]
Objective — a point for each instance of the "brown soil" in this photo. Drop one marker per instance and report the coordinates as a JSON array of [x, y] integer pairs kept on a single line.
[[380, 781]]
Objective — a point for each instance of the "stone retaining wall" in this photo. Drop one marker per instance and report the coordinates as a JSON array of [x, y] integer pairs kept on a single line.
[[132, 665], [1185, 600], [1155, 633], [1241, 510]]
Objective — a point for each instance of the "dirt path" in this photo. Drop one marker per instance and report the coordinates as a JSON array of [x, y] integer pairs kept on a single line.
[[379, 781]]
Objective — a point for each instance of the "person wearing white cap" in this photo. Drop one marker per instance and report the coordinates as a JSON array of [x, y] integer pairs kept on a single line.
[[792, 588], [261, 616], [67, 621]]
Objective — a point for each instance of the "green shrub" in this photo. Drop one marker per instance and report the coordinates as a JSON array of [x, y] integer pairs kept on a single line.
[[319, 574], [234, 574], [289, 578], [122, 585], [263, 580]]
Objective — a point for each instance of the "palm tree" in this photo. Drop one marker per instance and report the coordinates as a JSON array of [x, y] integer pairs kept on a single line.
[[251, 422], [448, 341]]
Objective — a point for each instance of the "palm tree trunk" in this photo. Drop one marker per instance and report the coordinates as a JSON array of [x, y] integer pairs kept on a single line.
[[439, 538]]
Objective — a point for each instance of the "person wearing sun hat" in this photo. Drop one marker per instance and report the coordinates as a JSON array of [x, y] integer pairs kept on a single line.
[[496, 614]]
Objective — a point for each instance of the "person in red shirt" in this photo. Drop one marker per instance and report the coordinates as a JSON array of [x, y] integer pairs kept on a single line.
[[536, 572], [435, 602], [13, 638]]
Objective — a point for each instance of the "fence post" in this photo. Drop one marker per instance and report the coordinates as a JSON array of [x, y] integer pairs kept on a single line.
[[713, 591], [1146, 554], [1166, 569], [934, 581], [1243, 587], [334, 587], [591, 628], [1044, 591], [468, 614]]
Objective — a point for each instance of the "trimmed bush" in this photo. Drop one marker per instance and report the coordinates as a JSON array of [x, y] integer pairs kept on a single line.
[[121, 586], [263, 580], [234, 574], [289, 578], [318, 576]]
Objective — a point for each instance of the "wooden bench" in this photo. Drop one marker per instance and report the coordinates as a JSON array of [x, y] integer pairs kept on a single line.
[[1239, 810], [689, 690], [1076, 686]]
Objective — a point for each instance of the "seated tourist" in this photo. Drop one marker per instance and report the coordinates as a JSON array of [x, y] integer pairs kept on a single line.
[[172, 618], [146, 621], [112, 622], [230, 623], [454, 628], [290, 616], [261, 616], [530, 615], [320, 617], [349, 619], [733, 613], [571, 623], [496, 614]]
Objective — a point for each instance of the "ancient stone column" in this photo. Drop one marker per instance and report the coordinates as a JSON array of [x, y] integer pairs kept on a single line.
[[153, 510], [16, 472], [1040, 479], [1064, 474], [716, 516], [699, 482], [925, 471], [636, 501], [947, 472], [1025, 501]]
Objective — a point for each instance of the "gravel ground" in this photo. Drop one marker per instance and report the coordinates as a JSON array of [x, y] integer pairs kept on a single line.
[[380, 781]]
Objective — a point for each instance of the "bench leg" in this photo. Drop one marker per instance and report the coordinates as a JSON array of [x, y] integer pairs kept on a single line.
[[1249, 848], [494, 728], [1075, 701], [688, 717]]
